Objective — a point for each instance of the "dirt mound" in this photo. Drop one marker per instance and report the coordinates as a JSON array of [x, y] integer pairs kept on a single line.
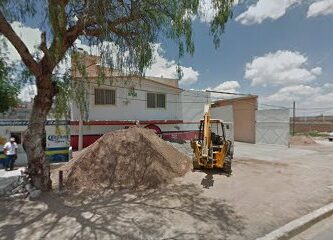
[[302, 140], [126, 159]]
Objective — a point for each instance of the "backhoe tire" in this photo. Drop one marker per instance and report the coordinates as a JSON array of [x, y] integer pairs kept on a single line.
[[227, 165], [196, 165]]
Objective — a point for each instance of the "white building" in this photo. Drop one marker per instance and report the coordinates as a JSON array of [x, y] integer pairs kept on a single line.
[[121, 101], [118, 102]]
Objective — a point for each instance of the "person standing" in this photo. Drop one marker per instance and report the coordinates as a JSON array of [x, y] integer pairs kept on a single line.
[[10, 150]]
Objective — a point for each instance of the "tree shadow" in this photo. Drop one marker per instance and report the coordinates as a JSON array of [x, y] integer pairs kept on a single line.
[[171, 212]]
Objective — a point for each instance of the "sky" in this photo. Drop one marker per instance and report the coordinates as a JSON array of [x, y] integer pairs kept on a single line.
[[280, 50]]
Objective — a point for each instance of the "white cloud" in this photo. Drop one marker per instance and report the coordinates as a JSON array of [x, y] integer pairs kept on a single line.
[[163, 67], [328, 86], [27, 92], [281, 68], [293, 93], [108, 47], [207, 11], [30, 36], [190, 76], [265, 9], [309, 100], [317, 71], [323, 7], [228, 86]]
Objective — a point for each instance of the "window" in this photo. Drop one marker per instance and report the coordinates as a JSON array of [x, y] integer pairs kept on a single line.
[[105, 96], [156, 100], [151, 100]]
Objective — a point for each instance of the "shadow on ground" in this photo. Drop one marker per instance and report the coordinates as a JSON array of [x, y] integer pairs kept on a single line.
[[172, 212], [208, 180]]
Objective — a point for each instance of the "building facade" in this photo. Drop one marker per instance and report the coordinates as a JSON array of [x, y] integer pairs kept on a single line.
[[244, 116], [119, 101]]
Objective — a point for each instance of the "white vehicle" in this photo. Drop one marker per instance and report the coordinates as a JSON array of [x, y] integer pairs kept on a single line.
[[330, 137]]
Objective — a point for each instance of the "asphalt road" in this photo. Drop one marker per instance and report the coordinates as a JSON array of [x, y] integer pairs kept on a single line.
[[320, 231]]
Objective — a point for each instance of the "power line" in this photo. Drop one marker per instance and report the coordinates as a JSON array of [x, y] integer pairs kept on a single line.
[[330, 107], [190, 94], [229, 93], [270, 105], [196, 93]]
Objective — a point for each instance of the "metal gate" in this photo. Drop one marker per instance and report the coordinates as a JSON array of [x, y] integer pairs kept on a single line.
[[272, 126]]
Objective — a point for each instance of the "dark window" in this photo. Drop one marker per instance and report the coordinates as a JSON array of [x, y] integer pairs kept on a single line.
[[105, 96], [151, 100], [156, 100], [160, 100]]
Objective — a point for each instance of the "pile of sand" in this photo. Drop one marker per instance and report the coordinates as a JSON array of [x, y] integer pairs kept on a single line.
[[302, 140], [125, 159]]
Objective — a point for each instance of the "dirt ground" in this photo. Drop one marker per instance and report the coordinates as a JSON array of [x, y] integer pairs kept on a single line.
[[270, 186]]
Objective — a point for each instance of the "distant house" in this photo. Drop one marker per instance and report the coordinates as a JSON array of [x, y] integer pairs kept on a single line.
[[263, 126], [22, 111], [244, 116], [122, 101]]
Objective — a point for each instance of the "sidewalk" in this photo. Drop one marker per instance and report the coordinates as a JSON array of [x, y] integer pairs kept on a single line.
[[320, 231], [13, 173], [8, 178]]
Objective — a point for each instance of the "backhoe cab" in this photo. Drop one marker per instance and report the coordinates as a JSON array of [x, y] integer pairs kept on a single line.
[[212, 150]]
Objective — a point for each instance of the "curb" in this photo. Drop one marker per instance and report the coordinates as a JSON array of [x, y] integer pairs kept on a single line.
[[299, 225]]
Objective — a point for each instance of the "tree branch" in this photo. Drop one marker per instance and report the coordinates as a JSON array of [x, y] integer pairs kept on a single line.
[[43, 46], [84, 26], [21, 48], [76, 30], [124, 20], [98, 32], [58, 21]]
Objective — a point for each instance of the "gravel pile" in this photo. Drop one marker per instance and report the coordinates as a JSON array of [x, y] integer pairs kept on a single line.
[[183, 148], [302, 140], [126, 159]]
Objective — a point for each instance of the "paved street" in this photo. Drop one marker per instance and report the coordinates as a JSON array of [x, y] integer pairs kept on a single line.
[[270, 186], [320, 231]]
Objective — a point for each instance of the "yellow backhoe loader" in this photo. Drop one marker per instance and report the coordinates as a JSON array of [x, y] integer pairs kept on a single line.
[[212, 150]]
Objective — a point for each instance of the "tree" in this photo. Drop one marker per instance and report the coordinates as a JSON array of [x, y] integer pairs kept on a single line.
[[133, 25], [8, 89]]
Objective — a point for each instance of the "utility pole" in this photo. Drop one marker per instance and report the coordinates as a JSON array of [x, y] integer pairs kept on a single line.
[[294, 116]]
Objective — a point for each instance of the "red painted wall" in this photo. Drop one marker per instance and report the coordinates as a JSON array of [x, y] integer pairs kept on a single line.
[[90, 139], [87, 140]]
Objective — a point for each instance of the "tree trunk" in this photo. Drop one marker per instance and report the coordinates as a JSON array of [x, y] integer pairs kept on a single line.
[[34, 136]]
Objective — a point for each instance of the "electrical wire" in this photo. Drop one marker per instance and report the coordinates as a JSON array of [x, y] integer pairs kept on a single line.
[[196, 94]]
